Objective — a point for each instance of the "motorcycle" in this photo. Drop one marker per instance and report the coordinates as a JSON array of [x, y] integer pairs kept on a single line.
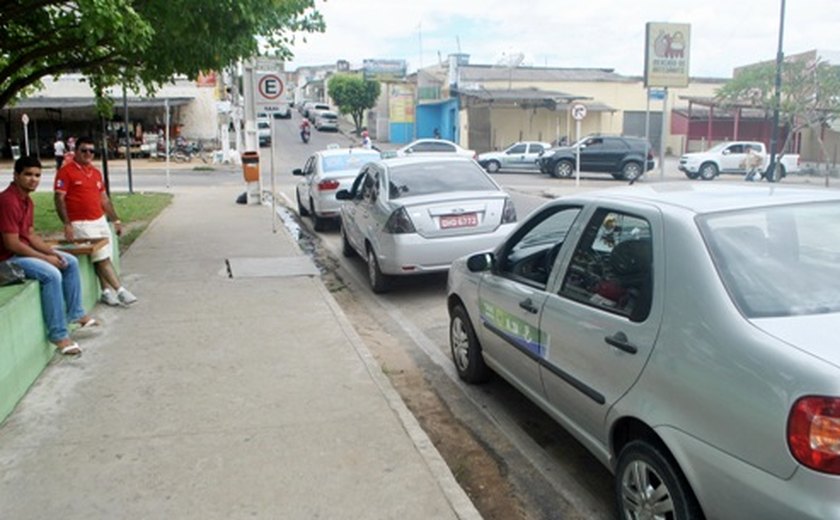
[[304, 134]]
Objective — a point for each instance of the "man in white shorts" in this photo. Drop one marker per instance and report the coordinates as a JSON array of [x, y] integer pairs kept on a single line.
[[83, 206]]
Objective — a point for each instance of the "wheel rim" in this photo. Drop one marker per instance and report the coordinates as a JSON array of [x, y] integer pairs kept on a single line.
[[644, 494], [493, 167], [708, 172], [460, 341], [564, 169], [631, 171]]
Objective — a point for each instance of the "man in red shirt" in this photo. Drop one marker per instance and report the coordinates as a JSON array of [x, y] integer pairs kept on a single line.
[[56, 271], [82, 204]]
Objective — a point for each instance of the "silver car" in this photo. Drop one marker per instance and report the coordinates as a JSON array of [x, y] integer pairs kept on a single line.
[[518, 156], [324, 174], [409, 216], [682, 333]]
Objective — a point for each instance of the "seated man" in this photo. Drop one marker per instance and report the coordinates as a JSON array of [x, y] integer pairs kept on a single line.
[[57, 272]]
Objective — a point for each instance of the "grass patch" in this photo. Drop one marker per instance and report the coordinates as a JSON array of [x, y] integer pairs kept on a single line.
[[136, 212]]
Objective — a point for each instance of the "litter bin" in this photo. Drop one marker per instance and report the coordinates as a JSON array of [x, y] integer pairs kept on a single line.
[[251, 166]]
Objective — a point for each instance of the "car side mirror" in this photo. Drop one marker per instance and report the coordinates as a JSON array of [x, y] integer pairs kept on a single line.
[[297, 171], [344, 195], [480, 262]]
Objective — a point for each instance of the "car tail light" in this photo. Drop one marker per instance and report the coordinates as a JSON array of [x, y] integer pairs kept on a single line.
[[328, 185], [399, 223], [509, 212], [814, 433]]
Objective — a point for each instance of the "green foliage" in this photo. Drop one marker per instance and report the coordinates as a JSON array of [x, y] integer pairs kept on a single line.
[[142, 43], [353, 95]]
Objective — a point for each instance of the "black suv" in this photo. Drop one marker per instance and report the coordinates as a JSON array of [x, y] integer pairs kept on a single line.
[[620, 156]]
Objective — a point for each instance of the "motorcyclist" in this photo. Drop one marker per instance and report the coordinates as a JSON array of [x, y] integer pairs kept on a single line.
[[366, 142], [304, 130]]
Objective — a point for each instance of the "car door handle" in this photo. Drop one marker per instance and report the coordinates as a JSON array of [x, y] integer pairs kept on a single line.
[[619, 341], [528, 305]]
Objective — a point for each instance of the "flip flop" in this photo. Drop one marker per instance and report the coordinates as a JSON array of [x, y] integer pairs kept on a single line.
[[89, 324], [73, 349]]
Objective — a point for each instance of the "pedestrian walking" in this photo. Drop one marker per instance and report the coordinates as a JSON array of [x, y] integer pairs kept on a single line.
[[58, 151]]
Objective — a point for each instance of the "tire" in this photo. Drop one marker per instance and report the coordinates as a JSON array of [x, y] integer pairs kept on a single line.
[[303, 212], [692, 175], [493, 166], [319, 223], [563, 169], [346, 248], [466, 351], [708, 171], [631, 171], [644, 465], [379, 282]]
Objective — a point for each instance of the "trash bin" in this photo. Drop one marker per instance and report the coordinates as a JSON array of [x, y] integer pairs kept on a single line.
[[251, 166]]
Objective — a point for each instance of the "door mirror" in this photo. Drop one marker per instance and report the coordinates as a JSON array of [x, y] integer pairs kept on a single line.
[[297, 171], [480, 262], [344, 195]]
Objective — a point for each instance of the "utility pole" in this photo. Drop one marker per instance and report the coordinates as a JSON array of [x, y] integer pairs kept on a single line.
[[770, 174]]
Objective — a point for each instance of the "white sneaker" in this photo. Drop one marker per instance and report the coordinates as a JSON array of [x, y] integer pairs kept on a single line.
[[125, 297], [109, 298]]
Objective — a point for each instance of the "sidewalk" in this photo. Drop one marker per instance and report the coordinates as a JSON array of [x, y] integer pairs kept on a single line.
[[218, 397]]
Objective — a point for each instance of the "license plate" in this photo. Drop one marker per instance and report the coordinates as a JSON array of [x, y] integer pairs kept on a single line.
[[456, 221]]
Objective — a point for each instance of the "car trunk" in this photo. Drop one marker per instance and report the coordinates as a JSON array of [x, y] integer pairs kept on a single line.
[[464, 213]]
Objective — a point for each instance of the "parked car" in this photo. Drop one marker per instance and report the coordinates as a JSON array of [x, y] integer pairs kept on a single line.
[[518, 156], [409, 216], [623, 157], [326, 120], [324, 174], [264, 131], [315, 109], [434, 147], [730, 157], [680, 333]]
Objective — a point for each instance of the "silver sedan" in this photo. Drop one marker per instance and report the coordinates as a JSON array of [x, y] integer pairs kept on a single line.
[[682, 333], [409, 216]]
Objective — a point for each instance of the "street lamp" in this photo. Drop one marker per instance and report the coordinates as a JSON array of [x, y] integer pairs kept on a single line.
[[771, 172]]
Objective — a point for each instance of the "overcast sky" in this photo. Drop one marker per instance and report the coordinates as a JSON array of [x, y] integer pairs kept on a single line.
[[583, 33]]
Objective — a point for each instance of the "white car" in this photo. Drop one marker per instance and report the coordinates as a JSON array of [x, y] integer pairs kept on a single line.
[[730, 157], [264, 131], [409, 216], [325, 173], [434, 147], [326, 120], [518, 156], [315, 109]]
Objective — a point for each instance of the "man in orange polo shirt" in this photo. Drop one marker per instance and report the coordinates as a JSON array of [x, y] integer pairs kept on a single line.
[[83, 205]]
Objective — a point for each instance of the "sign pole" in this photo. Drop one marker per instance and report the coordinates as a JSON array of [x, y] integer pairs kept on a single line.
[[647, 133], [577, 153], [166, 138], [663, 135]]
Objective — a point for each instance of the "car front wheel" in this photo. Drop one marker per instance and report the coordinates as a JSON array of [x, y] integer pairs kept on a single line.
[[564, 169], [493, 166], [648, 484], [466, 352], [708, 171]]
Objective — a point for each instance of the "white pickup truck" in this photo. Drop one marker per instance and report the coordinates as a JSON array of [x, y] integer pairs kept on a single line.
[[729, 158]]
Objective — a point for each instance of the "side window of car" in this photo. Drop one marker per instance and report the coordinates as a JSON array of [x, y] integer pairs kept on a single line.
[[518, 149], [736, 148], [309, 167], [368, 187], [612, 266], [441, 147], [422, 147], [529, 257], [536, 148]]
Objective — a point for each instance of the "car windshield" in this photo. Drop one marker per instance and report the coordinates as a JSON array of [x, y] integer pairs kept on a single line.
[[779, 261], [428, 178], [717, 148], [351, 161]]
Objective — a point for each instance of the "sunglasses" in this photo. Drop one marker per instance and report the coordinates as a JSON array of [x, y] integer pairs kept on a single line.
[[86, 150]]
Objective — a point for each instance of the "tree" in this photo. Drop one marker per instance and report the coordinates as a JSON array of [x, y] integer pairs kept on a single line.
[[810, 95], [140, 43], [353, 95]]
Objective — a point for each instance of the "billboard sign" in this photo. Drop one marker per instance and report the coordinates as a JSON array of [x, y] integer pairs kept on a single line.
[[384, 70], [667, 48], [401, 103]]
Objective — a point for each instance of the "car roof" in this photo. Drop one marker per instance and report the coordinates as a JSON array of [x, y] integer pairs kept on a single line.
[[703, 198], [431, 140], [330, 152], [420, 159]]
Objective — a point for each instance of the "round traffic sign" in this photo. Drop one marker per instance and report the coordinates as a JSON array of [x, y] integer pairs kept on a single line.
[[25, 119], [578, 111], [270, 86]]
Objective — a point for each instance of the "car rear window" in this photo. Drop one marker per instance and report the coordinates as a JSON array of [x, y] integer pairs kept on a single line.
[[351, 161], [331, 117], [778, 261], [428, 178]]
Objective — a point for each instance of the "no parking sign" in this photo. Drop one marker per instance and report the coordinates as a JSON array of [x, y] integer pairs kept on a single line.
[[269, 89]]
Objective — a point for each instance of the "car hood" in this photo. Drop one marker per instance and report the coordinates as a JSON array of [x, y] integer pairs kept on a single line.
[[694, 155], [807, 333]]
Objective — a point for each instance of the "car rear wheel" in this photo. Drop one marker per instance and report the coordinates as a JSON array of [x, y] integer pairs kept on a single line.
[[493, 166], [564, 169], [708, 171], [303, 212], [648, 484], [631, 171], [466, 352], [379, 281], [319, 223]]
